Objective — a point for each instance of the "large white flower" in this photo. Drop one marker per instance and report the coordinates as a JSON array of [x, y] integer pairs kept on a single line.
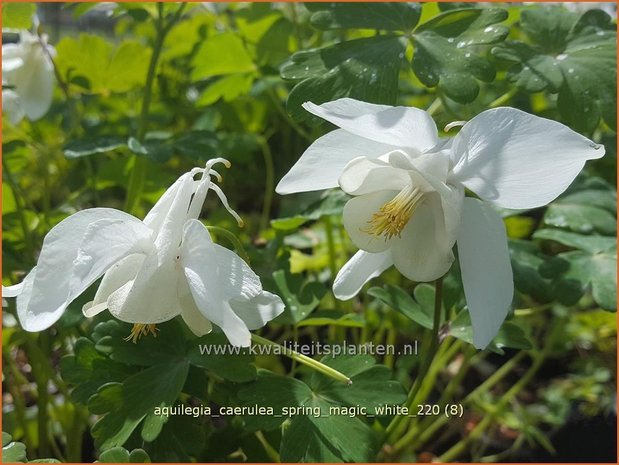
[[28, 70], [153, 270], [408, 184]]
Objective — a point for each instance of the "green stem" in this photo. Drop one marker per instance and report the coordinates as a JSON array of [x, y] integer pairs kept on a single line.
[[269, 182], [332, 253], [138, 171], [489, 383], [40, 369], [293, 124], [310, 362], [503, 99], [434, 106], [268, 448], [461, 446], [394, 426], [21, 211], [233, 240], [18, 399]]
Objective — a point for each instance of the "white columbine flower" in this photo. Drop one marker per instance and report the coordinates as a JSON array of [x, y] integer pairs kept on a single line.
[[28, 70], [409, 207], [152, 270]]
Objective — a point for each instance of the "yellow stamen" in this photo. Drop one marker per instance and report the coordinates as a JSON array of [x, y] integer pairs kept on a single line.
[[140, 330], [392, 217]]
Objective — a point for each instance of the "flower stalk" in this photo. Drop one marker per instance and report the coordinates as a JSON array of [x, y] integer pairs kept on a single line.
[[138, 171], [305, 360], [394, 428]]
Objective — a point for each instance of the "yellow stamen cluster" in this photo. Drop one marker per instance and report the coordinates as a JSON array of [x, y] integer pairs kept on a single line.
[[392, 217], [140, 330]]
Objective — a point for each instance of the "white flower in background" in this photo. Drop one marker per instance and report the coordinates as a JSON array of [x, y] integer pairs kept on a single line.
[[153, 270], [408, 184], [28, 70]]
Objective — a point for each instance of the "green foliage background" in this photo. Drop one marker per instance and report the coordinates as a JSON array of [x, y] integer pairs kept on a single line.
[[229, 79]]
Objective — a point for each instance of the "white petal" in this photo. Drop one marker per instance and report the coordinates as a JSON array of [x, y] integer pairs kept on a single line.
[[223, 269], [215, 276], [322, 163], [179, 194], [34, 82], [363, 175], [258, 311], [12, 291], [50, 292], [362, 267], [31, 321], [516, 160], [190, 313], [117, 276], [397, 126], [151, 297], [356, 217], [104, 243], [11, 106], [486, 269], [424, 251], [215, 307]]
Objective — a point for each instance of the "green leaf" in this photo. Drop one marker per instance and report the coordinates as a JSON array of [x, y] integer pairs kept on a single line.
[[90, 146], [91, 64], [220, 55], [366, 69], [526, 259], [386, 16], [227, 88], [328, 439], [322, 433], [580, 218], [333, 318], [447, 50], [576, 271], [592, 244], [115, 455], [122, 455], [420, 310], [569, 55], [372, 385], [12, 452], [330, 203], [88, 369], [229, 365], [140, 394], [301, 298], [18, 15], [195, 145], [148, 351], [509, 336]]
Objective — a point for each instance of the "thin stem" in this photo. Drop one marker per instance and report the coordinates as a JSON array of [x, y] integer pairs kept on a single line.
[[434, 106], [280, 109], [503, 99], [488, 384], [233, 239], [268, 448], [461, 446], [269, 181], [310, 362], [21, 212], [138, 172], [394, 426]]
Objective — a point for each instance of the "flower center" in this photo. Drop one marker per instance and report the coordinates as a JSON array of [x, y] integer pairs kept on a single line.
[[140, 330], [392, 217]]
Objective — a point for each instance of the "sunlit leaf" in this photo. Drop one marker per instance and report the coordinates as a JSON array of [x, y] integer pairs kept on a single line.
[[447, 50], [366, 69], [574, 56]]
